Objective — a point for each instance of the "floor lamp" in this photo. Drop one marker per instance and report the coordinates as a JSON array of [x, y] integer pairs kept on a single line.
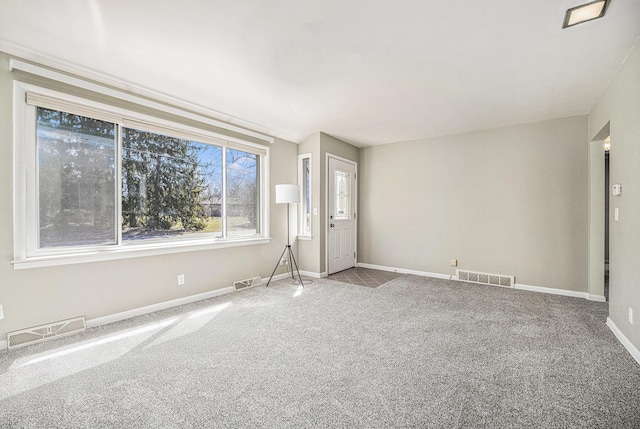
[[289, 194]]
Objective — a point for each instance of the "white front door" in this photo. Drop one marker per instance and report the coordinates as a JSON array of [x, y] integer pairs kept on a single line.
[[341, 227]]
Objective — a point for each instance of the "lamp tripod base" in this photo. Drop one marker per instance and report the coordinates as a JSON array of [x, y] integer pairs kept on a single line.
[[292, 263]]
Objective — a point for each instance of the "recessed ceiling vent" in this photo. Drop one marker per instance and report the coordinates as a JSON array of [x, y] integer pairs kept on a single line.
[[37, 334], [485, 278], [244, 284]]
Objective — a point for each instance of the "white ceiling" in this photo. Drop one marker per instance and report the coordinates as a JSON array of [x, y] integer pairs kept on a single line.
[[366, 71]]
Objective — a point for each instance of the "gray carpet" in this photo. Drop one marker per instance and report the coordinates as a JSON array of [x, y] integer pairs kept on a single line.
[[415, 352]]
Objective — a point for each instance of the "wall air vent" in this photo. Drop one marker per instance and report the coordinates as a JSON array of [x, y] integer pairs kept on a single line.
[[485, 278], [37, 334], [244, 284]]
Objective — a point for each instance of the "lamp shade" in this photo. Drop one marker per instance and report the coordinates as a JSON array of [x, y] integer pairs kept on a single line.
[[287, 194]]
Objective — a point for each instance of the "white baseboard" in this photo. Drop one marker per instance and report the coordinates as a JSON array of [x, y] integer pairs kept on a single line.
[[265, 280], [563, 292], [98, 321], [541, 289], [404, 271], [302, 273], [552, 291], [314, 275], [633, 351]]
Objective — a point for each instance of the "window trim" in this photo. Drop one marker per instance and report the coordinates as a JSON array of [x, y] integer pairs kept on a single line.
[[25, 198], [301, 234]]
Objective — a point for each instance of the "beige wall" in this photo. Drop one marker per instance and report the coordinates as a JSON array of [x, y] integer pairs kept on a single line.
[[508, 201], [41, 295], [620, 107], [309, 250]]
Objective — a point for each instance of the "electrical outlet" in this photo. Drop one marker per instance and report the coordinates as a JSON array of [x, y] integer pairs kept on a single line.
[[1, 312], [454, 262], [631, 315], [283, 261], [180, 279]]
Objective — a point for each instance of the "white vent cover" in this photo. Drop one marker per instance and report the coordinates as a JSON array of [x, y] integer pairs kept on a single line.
[[485, 278], [37, 334], [243, 284]]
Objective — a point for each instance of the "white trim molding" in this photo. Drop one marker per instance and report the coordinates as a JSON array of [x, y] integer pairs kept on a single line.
[[99, 321], [597, 298], [313, 275], [563, 292], [26, 252], [633, 351], [156, 307], [520, 286], [153, 249], [405, 271], [138, 93], [277, 277]]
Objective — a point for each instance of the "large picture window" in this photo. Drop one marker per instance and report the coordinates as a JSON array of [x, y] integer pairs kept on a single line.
[[112, 180]]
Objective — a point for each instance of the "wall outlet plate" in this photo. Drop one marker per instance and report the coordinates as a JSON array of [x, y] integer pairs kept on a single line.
[[631, 315], [617, 189], [1, 312], [180, 279], [454, 262]]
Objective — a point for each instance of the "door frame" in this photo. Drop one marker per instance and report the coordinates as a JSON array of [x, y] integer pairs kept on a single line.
[[326, 208], [596, 215]]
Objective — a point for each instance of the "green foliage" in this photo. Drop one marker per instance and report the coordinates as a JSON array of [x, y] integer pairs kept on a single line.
[[76, 179], [161, 184]]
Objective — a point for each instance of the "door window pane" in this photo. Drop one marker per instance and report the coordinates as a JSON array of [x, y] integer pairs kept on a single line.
[[342, 196], [242, 193], [76, 180]]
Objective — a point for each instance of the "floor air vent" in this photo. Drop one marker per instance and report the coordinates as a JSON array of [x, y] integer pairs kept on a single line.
[[243, 284], [41, 333], [486, 279]]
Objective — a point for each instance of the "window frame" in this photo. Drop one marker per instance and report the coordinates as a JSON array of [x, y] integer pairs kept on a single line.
[[301, 223], [27, 97]]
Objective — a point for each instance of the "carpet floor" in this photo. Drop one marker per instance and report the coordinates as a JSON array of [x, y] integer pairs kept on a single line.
[[414, 352]]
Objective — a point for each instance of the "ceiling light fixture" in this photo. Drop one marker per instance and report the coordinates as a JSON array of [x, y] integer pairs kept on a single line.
[[586, 12]]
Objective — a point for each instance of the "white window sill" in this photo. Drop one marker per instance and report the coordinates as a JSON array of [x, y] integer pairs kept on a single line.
[[126, 252], [305, 238]]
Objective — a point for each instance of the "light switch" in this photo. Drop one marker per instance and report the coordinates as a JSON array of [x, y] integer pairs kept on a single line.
[[615, 213]]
